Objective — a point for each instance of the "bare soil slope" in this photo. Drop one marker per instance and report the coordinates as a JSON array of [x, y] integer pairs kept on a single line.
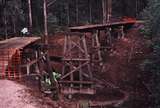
[[122, 63], [15, 95]]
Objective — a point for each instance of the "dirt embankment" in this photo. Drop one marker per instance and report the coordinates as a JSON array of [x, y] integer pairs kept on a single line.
[[122, 62], [15, 95]]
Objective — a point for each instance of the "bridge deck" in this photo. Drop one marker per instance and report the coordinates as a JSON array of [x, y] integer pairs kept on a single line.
[[17, 42], [103, 26]]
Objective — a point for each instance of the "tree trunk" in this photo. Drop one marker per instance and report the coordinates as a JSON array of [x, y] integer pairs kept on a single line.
[[90, 11], [54, 84], [14, 25], [109, 12], [68, 14], [77, 12], [5, 23], [45, 22], [104, 7], [30, 16]]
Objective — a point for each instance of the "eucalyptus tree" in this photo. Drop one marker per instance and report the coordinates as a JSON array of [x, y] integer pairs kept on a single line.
[[12, 16]]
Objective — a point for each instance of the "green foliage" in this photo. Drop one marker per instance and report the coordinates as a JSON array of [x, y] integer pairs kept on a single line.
[[62, 12], [152, 65], [151, 15]]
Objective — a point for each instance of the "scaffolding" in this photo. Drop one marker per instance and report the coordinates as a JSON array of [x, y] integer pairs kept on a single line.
[[10, 61], [11, 51]]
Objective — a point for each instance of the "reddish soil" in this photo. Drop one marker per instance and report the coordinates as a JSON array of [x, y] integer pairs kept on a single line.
[[122, 64], [15, 95], [25, 93]]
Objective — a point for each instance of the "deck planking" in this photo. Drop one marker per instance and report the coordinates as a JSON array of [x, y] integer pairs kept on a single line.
[[103, 26]]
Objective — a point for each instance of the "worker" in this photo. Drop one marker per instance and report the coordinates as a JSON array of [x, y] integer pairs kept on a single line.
[[25, 31], [56, 76], [46, 84]]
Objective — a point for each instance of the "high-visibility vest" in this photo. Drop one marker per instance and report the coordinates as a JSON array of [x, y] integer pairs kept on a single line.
[[55, 77]]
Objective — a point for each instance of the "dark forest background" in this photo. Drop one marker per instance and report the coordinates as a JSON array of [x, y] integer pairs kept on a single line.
[[61, 13]]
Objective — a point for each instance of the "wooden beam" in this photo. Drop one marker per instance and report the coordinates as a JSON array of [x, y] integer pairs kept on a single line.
[[51, 3], [76, 59], [78, 46], [80, 91], [29, 64], [76, 82], [94, 27], [74, 70]]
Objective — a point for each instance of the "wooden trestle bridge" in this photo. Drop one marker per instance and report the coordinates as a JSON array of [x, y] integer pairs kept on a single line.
[[18, 56], [79, 67]]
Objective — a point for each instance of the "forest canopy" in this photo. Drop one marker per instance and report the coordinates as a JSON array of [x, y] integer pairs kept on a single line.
[[14, 13]]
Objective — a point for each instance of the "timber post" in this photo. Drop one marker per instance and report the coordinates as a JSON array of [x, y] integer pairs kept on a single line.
[[76, 75]]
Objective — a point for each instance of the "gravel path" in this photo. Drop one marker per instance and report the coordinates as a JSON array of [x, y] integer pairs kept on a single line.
[[14, 95]]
